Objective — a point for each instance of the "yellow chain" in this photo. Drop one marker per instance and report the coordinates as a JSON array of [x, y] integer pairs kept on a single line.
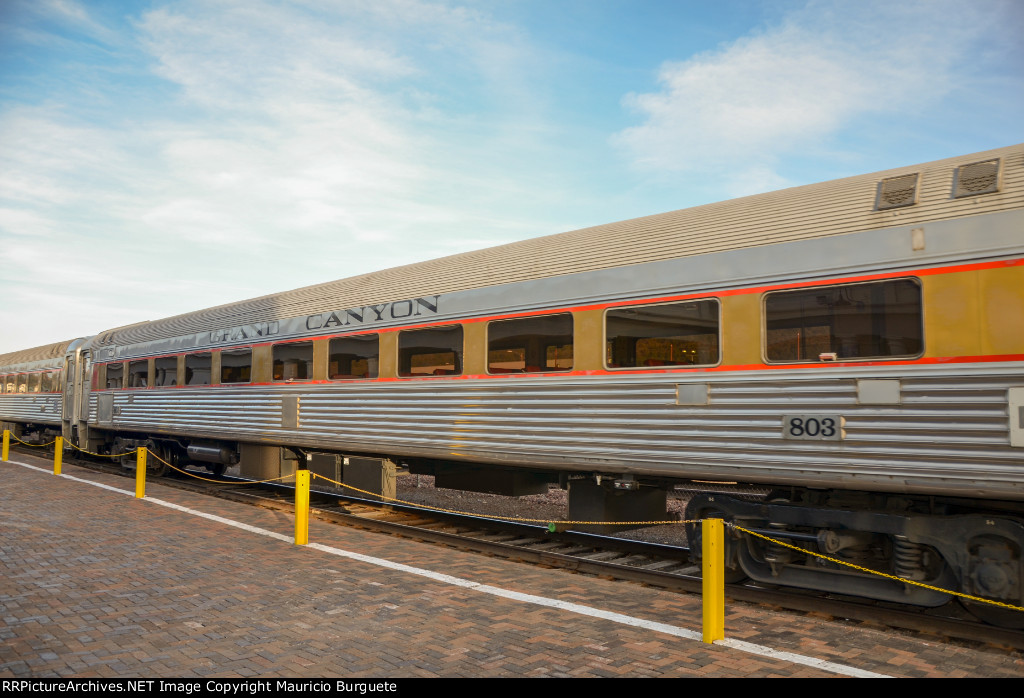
[[219, 482], [685, 521], [150, 453], [25, 443], [102, 455], [558, 522], [71, 445], [497, 518], [875, 572]]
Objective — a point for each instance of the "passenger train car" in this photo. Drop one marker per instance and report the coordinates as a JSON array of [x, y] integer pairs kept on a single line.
[[856, 345]]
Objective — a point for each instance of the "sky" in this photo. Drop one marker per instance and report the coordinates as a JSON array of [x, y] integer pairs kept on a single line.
[[162, 157]]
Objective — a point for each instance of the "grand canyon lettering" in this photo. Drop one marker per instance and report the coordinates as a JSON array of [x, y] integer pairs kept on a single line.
[[259, 329], [367, 314]]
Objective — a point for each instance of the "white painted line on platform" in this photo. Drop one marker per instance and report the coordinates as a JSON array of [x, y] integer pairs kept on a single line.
[[749, 647], [800, 659], [76, 479]]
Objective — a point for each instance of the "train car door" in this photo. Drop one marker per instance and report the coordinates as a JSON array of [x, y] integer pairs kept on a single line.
[[68, 395], [82, 388], [75, 392]]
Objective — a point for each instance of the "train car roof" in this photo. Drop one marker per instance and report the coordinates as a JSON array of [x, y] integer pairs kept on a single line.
[[25, 356], [800, 213]]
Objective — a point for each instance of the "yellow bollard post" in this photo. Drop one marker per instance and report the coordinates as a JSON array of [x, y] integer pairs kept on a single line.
[[140, 472], [713, 535], [301, 507], [7, 445], [58, 454]]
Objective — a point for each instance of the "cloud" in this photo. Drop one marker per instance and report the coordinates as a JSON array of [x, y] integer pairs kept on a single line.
[[72, 15], [732, 112], [328, 129], [282, 144], [234, 54]]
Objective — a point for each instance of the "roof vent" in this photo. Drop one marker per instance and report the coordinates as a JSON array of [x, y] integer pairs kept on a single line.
[[976, 178], [896, 192]]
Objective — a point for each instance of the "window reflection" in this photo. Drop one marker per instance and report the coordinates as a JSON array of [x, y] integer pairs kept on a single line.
[[853, 321], [667, 334]]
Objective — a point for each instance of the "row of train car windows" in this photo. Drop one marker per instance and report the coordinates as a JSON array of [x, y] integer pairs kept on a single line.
[[854, 321], [38, 382]]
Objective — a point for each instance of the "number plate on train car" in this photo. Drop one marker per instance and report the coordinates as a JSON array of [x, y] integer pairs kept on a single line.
[[814, 427]]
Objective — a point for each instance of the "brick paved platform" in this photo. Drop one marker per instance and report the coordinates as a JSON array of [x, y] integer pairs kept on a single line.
[[98, 584]]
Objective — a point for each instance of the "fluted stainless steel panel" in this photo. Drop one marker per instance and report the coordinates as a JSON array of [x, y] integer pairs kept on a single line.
[[949, 435], [42, 408]]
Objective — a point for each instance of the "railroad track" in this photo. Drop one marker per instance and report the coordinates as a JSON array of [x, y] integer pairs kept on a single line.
[[653, 564]]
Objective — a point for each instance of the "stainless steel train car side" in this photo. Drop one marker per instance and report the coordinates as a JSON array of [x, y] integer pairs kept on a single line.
[[944, 431], [32, 388], [857, 345]]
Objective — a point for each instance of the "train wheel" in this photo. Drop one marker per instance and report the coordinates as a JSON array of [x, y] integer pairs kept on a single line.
[[694, 537], [154, 466], [995, 615], [127, 461]]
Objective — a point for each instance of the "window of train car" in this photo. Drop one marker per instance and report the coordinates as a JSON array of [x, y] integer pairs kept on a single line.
[[877, 320], [138, 374], [198, 368], [293, 361], [33, 382], [115, 375], [46, 382], [21, 383], [353, 357], [165, 371], [666, 334], [530, 345], [436, 351], [236, 366]]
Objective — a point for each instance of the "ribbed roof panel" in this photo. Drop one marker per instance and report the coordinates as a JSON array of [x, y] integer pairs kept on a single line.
[[47, 351], [800, 213]]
